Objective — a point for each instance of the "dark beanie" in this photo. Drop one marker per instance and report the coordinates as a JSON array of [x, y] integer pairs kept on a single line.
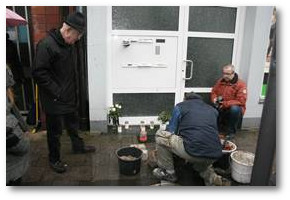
[[191, 95], [77, 21]]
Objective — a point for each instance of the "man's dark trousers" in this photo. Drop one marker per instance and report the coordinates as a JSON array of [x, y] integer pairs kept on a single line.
[[229, 119], [54, 125]]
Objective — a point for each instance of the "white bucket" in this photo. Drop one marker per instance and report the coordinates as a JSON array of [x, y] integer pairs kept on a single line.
[[242, 164], [232, 145]]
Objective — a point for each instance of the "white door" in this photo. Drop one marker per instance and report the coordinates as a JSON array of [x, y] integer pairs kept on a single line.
[[160, 53], [208, 44]]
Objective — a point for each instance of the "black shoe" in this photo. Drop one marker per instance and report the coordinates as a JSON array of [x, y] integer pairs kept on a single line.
[[58, 166], [86, 149]]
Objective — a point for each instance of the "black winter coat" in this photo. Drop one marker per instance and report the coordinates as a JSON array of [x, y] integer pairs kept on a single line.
[[55, 72]]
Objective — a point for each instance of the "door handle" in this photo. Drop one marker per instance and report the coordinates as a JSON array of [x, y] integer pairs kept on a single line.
[[191, 69]]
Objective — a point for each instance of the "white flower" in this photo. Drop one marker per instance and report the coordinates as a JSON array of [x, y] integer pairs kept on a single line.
[[113, 109], [117, 106]]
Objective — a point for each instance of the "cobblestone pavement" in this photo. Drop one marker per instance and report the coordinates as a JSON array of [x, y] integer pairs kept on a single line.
[[99, 168]]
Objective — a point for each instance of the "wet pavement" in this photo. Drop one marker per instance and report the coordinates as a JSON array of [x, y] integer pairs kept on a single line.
[[101, 167]]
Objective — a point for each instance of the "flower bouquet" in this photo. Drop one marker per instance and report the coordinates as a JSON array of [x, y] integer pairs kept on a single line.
[[114, 114], [164, 117], [113, 117]]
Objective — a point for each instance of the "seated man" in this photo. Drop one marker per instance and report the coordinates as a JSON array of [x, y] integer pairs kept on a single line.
[[229, 95], [192, 134]]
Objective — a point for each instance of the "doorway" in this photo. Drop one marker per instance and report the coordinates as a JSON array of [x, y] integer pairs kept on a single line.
[[209, 42], [168, 51]]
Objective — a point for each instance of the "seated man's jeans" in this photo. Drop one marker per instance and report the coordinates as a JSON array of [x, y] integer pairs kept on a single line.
[[231, 117], [168, 143]]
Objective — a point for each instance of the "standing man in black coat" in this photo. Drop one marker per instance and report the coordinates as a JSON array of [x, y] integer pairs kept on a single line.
[[56, 75]]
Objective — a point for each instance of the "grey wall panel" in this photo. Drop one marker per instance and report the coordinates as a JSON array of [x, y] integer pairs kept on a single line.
[[145, 18], [212, 19], [208, 56], [144, 104]]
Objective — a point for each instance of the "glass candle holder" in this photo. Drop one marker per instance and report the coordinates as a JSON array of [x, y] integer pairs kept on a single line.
[[142, 126], [126, 125], [152, 125], [119, 129]]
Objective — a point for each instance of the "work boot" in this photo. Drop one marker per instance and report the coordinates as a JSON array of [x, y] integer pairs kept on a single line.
[[85, 149], [58, 166], [221, 181], [162, 174]]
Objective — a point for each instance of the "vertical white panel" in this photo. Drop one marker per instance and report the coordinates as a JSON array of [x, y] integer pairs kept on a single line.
[[97, 61], [257, 56]]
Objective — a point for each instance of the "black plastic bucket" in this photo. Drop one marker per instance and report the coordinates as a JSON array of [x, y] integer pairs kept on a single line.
[[129, 166]]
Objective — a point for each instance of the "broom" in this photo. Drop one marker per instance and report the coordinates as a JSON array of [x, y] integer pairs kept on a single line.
[[37, 120]]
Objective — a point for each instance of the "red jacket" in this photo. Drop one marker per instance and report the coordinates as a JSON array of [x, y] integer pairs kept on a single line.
[[233, 92]]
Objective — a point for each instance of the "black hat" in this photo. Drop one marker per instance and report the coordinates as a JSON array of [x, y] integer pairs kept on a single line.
[[191, 95], [77, 21]]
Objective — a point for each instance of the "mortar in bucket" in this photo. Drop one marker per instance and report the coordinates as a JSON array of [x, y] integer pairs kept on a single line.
[[224, 161], [242, 164], [129, 159]]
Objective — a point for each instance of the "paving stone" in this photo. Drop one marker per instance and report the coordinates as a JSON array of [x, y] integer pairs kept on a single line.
[[100, 167]]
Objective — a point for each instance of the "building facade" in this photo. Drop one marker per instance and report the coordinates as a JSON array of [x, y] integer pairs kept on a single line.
[[147, 58]]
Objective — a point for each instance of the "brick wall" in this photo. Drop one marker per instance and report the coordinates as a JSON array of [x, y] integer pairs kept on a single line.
[[43, 19]]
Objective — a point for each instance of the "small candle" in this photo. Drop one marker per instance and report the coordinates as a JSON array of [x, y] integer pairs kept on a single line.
[[152, 125], [126, 125], [119, 129], [142, 126]]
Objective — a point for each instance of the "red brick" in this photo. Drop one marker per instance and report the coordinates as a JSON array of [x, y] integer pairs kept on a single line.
[[51, 26], [71, 9], [52, 10], [39, 35], [38, 19], [37, 10], [51, 19], [39, 27]]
